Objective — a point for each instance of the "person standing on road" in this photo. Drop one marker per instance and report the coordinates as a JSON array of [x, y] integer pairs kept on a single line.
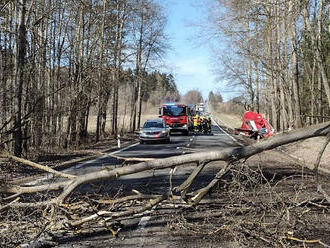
[[200, 124], [196, 122], [209, 124]]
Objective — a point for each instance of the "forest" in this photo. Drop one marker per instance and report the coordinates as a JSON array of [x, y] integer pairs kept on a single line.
[[82, 72], [62, 62], [278, 53], [65, 61]]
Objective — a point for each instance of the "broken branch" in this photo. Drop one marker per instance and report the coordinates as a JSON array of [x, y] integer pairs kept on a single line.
[[38, 166]]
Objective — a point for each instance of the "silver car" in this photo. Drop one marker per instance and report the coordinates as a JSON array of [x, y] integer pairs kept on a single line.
[[154, 130]]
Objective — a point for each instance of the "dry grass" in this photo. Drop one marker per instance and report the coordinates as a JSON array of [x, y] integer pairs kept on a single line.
[[227, 118], [305, 151], [149, 112], [123, 122], [231, 121]]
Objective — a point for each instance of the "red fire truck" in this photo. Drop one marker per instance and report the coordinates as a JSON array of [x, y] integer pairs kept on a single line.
[[177, 116]]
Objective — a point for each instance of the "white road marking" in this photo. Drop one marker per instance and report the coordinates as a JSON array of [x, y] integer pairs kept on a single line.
[[124, 149]]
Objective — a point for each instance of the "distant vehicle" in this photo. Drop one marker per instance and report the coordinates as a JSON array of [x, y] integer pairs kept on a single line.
[[154, 130], [177, 116], [255, 126], [192, 109], [200, 107]]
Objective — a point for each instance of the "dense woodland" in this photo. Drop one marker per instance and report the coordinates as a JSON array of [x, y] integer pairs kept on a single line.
[[63, 61], [277, 53]]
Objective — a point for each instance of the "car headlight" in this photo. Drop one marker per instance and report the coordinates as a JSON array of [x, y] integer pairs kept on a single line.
[[164, 131]]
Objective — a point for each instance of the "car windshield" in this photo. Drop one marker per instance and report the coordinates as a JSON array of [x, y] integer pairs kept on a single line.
[[150, 124], [174, 111]]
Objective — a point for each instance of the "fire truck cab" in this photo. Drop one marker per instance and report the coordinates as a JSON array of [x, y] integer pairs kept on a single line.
[[177, 116]]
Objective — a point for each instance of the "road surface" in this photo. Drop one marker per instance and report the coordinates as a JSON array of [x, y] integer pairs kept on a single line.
[[136, 232], [179, 145]]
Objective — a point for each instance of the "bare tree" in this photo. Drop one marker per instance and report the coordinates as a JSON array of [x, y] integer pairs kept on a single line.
[[265, 34], [192, 97], [61, 61], [148, 44], [20, 68]]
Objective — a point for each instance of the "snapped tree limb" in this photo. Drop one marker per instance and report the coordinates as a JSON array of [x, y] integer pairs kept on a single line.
[[37, 166], [228, 154]]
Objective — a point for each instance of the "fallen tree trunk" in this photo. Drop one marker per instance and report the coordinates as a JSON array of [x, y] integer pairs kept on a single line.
[[228, 154], [38, 166], [62, 217]]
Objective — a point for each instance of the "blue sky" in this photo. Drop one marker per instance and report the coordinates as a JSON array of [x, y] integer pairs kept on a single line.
[[189, 61]]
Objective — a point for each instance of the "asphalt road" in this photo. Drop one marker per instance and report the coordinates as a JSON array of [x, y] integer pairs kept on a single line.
[[182, 144], [179, 145], [150, 231]]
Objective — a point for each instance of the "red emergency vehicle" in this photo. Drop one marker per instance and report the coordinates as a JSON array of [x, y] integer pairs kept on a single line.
[[255, 126], [177, 116]]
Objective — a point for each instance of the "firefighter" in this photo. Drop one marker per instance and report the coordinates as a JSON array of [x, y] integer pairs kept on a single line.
[[201, 124], [196, 120], [209, 124]]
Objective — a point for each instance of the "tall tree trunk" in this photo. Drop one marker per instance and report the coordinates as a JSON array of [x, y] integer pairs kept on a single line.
[[280, 62], [3, 83], [133, 107], [114, 105], [316, 45], [40, 88], [271, 77], [250, 85], [320, 96], [257, 87], [120, 19], [100, 75], [277, 51], [20, 62], [139, 64], [294, 64], [59, 95], [80, 78], [312, 89]]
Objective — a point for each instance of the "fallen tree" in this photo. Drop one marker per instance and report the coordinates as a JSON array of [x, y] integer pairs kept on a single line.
[[69, 183], [229, 155]]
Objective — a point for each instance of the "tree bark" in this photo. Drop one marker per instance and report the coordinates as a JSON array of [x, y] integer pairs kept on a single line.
[[20, 62], [316, 45], [228, 154], [294, 64]]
